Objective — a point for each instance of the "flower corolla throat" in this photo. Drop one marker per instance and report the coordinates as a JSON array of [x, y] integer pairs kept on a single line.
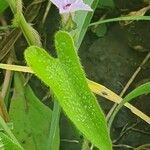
[[69, 6]]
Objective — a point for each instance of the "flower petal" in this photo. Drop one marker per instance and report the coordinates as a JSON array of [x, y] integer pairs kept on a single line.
[[69, 1], [58, 3], [77, 5], [80, 5]]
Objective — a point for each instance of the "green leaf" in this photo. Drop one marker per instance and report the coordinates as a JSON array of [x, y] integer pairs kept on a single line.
[[31, 118], [142, 89], [126, 18], [53, 140], [65, 76], [3, 5], [106, 3], [6, 143], [82, 20], [100, 30], [5, 128]]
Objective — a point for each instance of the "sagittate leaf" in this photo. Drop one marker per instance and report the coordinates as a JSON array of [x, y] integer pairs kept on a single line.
[[64, 75], [6, 143], [3, 5], [31, 119], [142, 89]]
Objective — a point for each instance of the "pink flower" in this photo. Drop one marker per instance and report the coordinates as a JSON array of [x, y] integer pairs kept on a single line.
[[68, 6]]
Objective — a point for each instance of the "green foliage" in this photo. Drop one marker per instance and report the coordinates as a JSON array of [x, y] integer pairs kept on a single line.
[[19, 20], [6, 143], [100, 30], [105, 3], [3, 5], [121, 19], [82, 19], [31, 119], [64, 75], [15, 5], [53, 141], [10, 140], [142, 89]]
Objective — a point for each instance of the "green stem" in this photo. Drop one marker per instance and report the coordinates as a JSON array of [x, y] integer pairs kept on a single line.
[[54, 128], [29, 33], [121, 19], [15, 5]]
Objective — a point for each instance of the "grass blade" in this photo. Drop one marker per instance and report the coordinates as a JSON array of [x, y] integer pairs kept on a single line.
[[54, 139], [143, 89], [136, 18]]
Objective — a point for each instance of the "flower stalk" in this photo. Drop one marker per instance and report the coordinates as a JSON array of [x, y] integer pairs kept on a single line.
[[29, 32], [67, 9], [67, 22]]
